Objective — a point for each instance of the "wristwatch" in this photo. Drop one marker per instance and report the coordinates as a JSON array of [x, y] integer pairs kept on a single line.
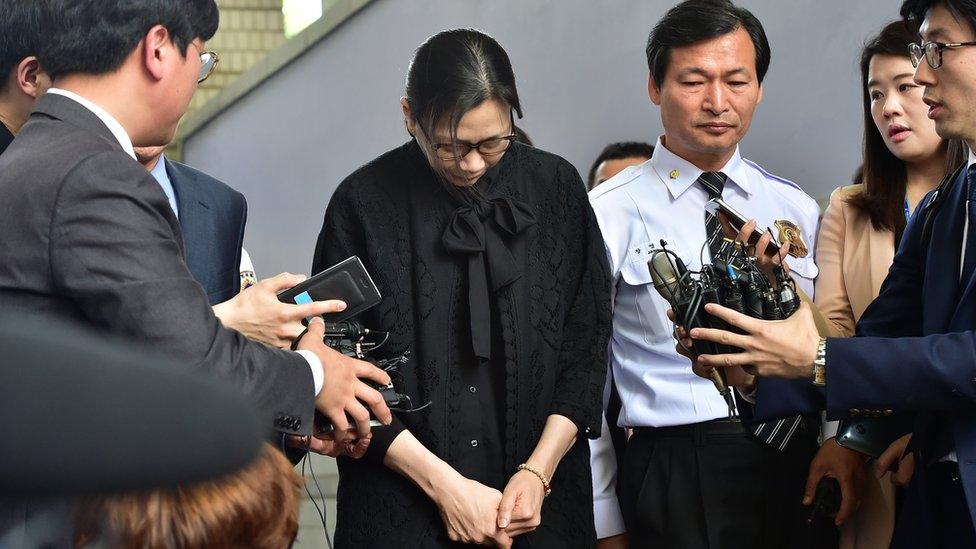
[[820, 364]]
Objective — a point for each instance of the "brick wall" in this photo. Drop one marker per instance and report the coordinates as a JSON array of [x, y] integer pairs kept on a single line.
[[249, 29]]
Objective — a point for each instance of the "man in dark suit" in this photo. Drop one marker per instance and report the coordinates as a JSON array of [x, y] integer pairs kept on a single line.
[[212, 217], [22, 80], [89, 236], [916, 343]]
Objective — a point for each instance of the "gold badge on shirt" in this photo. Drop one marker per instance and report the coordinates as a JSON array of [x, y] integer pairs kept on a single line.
[[790, 232]]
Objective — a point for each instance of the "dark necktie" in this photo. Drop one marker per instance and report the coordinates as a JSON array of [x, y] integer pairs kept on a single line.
[[776, 434], [969, 260], [713, 183]]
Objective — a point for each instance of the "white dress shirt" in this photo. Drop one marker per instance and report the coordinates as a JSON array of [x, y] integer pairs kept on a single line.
[[125, 141], [635, 210]]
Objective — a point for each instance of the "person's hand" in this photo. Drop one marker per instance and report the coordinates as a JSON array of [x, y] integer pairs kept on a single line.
[[685, 346], [765, 261], [735, 376], [257, 313], [343, 391], [843, 464], [327, 446], [520, 510], [770, 348], [469, 510], [620, 541], [895, 454]]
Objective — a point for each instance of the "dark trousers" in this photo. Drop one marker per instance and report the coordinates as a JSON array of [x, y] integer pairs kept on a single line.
[[939, 518], [712, 485]]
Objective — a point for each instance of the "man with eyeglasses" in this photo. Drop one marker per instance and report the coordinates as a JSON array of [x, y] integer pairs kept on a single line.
[[89, 236], [915, 348]]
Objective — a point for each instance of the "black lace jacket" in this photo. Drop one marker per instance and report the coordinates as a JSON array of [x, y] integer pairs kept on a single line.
[[554, 322]]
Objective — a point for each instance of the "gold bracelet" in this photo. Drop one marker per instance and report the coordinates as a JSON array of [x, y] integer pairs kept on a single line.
[[545, 481]]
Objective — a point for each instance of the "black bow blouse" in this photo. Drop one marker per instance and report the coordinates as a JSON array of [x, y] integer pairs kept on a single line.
[[502, 294]]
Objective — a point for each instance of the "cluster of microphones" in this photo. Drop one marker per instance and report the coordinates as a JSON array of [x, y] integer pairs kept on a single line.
[[734, 280]]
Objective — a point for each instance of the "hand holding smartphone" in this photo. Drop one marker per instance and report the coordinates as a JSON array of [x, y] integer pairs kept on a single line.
[[347, 281]]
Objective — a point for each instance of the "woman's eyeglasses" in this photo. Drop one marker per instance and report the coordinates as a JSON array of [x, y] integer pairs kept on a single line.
[[487, 147]]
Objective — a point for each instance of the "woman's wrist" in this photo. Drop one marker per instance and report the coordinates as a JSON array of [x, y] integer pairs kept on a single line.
[[409, 457]]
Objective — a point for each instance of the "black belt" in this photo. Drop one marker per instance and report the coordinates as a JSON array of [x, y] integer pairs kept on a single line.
[[694, 430], [724, 426]]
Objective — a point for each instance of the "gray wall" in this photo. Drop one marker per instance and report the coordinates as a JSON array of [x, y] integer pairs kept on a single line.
[[582, 76]]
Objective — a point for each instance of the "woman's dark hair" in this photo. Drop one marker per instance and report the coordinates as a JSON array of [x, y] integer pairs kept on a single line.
[[694, 21], [95, 36], [453, 72], [883, 175]]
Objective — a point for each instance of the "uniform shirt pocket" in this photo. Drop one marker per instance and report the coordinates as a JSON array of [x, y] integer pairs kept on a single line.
[[649, 307]]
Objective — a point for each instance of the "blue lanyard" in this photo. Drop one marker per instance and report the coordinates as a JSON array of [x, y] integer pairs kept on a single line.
[[908, 213]]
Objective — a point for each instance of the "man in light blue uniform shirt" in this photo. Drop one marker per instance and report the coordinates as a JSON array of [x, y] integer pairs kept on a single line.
[[691, 477]]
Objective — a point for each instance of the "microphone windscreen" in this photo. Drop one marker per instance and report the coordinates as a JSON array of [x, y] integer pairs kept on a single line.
[[664, 274], [81, 414]]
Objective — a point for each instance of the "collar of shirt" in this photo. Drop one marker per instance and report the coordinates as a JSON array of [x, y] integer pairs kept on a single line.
[[971, 160], [162, 177], [679, 175], [110, 122]]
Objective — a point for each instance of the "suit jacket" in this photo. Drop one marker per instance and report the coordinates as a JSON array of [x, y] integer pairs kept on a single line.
[[212, 218], [916, 345], [88, 235], [854, 259]]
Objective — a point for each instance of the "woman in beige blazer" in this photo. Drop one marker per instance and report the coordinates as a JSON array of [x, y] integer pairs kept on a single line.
[[903, 160]]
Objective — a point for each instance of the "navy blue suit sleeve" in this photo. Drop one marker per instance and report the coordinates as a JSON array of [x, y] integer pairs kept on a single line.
[[890, 364]]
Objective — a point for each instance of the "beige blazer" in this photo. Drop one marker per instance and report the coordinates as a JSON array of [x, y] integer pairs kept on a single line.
[[854, 259]]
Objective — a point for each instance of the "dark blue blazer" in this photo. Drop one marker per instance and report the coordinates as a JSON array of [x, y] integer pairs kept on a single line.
[[212, 218], [915, 348]]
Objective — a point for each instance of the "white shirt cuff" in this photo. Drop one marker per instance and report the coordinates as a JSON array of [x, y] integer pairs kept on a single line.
[[608, 519], [829, 428], [316, 365]]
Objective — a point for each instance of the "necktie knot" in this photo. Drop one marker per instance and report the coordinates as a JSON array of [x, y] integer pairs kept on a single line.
[[713, 182]]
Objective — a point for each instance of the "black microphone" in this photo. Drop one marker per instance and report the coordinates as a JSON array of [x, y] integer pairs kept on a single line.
[[670, 279]]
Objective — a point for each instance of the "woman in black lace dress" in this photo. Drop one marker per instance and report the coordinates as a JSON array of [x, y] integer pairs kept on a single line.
[[494, 275]]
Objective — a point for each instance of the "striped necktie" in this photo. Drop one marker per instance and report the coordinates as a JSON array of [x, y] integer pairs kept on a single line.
[[713, 183], [776, 433]]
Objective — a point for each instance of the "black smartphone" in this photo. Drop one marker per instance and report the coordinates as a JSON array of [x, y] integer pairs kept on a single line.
[[347, 280], [737, 220]]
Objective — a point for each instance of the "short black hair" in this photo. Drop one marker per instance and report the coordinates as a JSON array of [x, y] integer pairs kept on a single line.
[[616, 151], [694, 21], [95, 36], [915, 10], [20, 34]]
